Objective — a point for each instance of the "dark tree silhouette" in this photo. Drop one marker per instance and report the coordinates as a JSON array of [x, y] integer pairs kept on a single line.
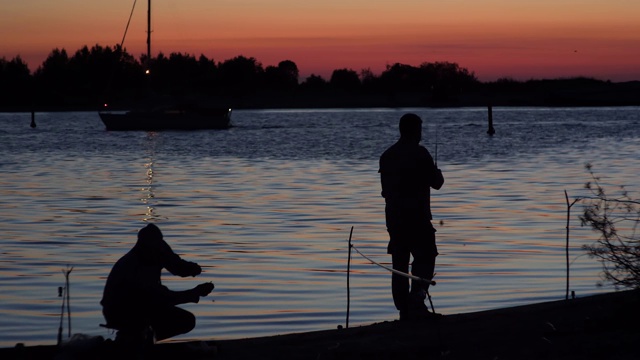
[[96, 75], [314, 84], [402, 78], [241, 75], [368, 80], [52, 78], [88, 75], [53, 72], [447, 80], [15, 82], [290, 71], [207, 73], [345, 80], [284, 77], [175, 74]]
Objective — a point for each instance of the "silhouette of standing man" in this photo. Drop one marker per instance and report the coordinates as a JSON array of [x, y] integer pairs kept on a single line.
[[407, 173], [135, 300]]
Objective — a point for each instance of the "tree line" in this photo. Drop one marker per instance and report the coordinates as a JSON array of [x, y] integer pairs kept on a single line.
[[94, 76]]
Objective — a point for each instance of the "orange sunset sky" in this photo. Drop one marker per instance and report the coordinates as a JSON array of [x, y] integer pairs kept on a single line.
[[520, 39]]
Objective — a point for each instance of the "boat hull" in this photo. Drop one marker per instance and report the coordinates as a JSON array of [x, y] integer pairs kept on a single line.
[[167, 120]]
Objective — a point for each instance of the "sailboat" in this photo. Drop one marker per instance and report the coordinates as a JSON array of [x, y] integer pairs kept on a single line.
[[181, 117]]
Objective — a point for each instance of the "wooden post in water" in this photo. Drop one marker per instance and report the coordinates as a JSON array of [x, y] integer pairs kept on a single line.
[[491, 130], [33, 119]]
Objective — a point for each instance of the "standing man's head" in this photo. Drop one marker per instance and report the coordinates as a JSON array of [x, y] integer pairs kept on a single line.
[[411, 127]]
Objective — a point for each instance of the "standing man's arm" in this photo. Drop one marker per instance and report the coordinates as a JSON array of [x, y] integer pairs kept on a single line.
[[435, 178], [438, 179]]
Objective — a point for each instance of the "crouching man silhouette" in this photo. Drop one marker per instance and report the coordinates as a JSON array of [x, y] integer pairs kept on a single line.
[[135, 302]]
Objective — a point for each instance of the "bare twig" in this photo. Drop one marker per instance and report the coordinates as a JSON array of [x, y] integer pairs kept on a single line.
[[569, 205]]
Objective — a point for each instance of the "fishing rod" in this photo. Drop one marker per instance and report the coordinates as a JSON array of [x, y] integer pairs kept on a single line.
[[397, 272], [436, 158]]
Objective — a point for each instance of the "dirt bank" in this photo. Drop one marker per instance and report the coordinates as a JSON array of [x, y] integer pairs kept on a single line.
[[595, 327]]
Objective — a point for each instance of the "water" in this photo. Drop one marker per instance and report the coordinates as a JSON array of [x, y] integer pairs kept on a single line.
[[266, 208]]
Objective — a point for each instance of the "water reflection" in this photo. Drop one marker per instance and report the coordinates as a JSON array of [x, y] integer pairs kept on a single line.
[[148, 192]]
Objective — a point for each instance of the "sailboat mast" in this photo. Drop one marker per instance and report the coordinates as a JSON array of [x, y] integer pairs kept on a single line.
[[149, 30]]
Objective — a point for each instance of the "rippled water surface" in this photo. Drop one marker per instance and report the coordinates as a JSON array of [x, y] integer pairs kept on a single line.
[[266, 208]]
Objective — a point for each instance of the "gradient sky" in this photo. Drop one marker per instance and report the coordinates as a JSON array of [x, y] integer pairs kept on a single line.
[[520, 39]]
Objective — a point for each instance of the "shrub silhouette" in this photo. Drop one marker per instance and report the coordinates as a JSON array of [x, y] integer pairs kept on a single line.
[[616, 220]]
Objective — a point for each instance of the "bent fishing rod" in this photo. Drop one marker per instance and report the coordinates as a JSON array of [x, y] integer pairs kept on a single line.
[[397, 272]]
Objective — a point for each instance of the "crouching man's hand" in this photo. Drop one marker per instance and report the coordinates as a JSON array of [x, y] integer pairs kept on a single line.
[[194, 269], [204, 289]]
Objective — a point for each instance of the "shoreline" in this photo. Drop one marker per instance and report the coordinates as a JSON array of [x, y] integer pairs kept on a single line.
[[471, 105], [600, 326]]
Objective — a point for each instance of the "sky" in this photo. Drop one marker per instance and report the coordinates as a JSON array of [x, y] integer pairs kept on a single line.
[[517, 39]]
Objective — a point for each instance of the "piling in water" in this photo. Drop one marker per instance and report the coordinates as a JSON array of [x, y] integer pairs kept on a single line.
[[491, 130]]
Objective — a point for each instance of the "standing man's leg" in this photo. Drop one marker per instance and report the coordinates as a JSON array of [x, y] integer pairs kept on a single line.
[[423, 266], [399, 283], [424, 261]]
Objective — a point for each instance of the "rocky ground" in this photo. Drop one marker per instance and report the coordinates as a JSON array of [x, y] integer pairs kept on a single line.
[[596, 327]]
